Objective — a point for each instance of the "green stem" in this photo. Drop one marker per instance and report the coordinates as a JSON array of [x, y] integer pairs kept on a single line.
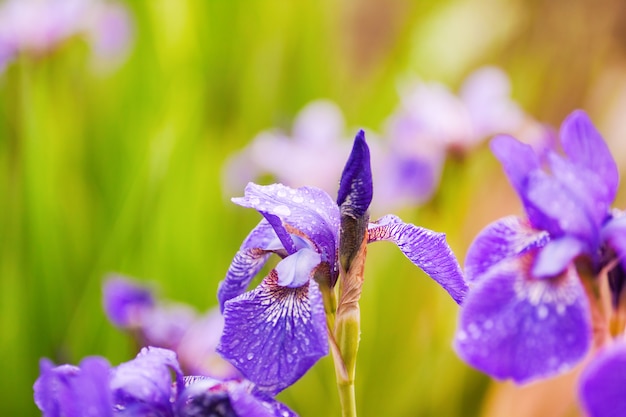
[[348, 328]]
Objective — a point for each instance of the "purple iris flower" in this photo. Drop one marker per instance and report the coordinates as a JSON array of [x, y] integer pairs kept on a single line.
[[528, 315], [432, 123], [602, 383], [132, 306], [274, 333], [39, 26], [144, 387]]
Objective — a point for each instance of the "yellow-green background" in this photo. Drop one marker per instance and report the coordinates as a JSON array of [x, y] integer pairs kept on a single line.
[[121, 171]]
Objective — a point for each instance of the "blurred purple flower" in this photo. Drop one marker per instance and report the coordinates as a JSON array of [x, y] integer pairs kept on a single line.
[[603, 382], [132, 307], [527, 315], [144, 387], [274, 333], [38, 26], [312, 156], [431, 122]]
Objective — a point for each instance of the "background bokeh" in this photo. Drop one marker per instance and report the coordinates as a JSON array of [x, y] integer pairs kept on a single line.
[[118, 169]]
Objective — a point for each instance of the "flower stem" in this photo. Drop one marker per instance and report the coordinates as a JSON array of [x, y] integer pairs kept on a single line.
[[348, 330]]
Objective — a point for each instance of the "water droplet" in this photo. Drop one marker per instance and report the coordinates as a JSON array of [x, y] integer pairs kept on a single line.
[[281, 210], [250, 356], [542, 312], [298, 199]]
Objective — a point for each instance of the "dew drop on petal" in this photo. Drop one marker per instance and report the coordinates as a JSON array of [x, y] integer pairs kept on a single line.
[[281, 210]]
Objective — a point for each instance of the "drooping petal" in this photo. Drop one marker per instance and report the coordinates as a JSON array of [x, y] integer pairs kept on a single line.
[[555, 257], [426, 249], [144, 384], [306, 212], [125, 301], [72, 391], [602, 383], [503, 239], [248, 261], [274, 334], [584, 145], [514, 326], [355, 188]]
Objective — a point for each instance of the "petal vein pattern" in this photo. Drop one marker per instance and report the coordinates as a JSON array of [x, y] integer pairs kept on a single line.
[[274, 334], [247, 262], [426, 249]]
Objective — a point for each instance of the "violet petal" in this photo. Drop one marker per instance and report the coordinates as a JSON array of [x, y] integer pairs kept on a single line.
[[248, 261], [519, 162], [306, 212], [274, 334], [125, 301], [555, 257], [584, 145], [426, 249], [144, 384], [295, 270], [355, 188], [514, 326], [72, 391], [501, 240], [602, 383]]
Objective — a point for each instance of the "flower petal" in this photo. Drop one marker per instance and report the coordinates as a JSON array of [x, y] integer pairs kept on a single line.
[[355, 188], [602, 383], [125, 301], [426, 249], [555, 257], [274, 334], [520, 162], [245, 403], [514, 326], [562, 211], [518, 159], [144, 384], [74, 391], [584, 145], [503, 239], [248, 261], [296, 270], [306, 212]]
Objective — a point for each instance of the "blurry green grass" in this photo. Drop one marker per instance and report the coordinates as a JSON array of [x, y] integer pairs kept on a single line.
[[121, 172]]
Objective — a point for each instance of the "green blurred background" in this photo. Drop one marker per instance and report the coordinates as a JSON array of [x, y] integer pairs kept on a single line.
[[120, 171]]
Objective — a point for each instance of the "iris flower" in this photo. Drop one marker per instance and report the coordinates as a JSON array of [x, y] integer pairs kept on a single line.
[[275, 332], [528, 315], [175, 326], [39, 26], [144, 387]]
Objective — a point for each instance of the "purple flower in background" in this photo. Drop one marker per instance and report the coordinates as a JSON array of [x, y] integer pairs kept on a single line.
[[527, 315], [431, 122], [312, 156], [144, 387], [178, 327], [274, 333], [603, 381], [38, 26]]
